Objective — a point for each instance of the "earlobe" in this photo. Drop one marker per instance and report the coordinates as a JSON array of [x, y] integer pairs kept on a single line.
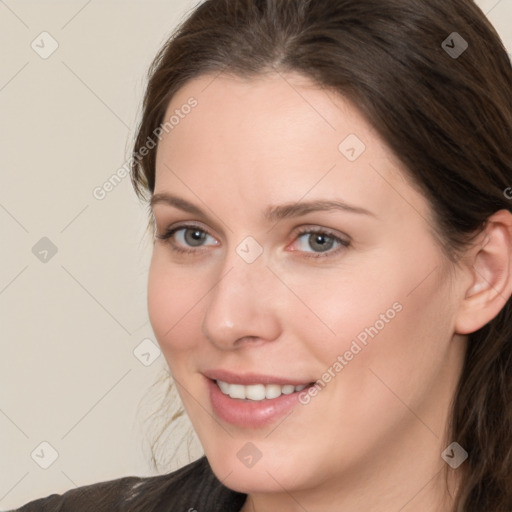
[[490, 266]]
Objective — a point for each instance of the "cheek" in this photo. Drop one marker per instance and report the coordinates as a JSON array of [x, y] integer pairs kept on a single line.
[[386, 315], [173, 297], [332, 307], [395, 352]]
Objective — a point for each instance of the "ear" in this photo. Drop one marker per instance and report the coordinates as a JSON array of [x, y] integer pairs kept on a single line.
[[489, 267]]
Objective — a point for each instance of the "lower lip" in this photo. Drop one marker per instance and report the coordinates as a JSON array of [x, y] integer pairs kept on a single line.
[[250, 413]]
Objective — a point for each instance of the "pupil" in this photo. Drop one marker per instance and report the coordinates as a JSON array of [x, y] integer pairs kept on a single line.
[[321, 242], [195, 237]]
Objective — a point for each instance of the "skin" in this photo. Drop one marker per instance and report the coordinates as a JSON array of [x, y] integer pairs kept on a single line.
[[372, 437]]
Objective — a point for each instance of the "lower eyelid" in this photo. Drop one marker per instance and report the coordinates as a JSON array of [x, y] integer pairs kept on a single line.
[[333, 252]]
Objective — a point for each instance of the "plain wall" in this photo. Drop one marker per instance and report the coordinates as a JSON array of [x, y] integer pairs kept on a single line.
[[71, 321]]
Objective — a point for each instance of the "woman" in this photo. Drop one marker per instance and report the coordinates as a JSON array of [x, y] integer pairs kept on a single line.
[[329, 188]]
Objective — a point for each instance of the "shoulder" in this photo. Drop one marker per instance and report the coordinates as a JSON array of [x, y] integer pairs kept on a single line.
[[191, 488]]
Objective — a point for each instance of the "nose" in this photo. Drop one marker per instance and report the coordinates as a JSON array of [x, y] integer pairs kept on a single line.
[[242, 307]]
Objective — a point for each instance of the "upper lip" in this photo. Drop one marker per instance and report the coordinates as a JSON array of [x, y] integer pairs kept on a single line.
[[250, 378]]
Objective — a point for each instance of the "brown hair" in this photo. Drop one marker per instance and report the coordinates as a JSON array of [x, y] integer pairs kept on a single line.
[[447, 117]]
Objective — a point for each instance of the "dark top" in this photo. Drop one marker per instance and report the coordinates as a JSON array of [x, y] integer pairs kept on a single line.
[[193, 488]]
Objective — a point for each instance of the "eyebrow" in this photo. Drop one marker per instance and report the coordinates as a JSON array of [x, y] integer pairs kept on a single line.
[[272, 213]]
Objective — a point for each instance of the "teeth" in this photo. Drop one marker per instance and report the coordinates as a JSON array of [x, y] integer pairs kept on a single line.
[[224, 386], [288, 389], [257, 392], [273, 390], [236, 391]]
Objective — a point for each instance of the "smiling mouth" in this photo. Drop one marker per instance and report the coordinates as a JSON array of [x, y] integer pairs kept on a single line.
[[258, 392]]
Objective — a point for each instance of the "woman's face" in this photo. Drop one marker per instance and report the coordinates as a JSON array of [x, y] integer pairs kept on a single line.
[[280, 287]]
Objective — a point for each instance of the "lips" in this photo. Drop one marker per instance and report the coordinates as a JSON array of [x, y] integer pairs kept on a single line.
[[252, 400], [247, 379]]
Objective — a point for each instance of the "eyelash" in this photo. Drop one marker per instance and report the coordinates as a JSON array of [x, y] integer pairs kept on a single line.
[[167, 236]]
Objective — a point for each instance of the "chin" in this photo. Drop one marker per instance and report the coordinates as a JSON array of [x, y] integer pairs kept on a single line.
[[258, 479], [269, 471]]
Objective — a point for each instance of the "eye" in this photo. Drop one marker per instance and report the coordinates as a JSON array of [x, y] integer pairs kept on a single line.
[[187, 238], [313, 242], [319, 242]]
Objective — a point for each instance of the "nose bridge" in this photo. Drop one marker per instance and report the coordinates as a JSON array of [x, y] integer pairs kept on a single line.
[[240, 303]]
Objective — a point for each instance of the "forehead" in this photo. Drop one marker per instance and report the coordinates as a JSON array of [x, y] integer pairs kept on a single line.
[[279, 136], [270, 108]]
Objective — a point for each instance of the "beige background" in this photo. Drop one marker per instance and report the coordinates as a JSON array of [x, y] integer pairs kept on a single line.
[[70, 324]]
